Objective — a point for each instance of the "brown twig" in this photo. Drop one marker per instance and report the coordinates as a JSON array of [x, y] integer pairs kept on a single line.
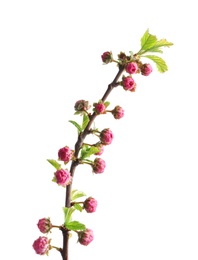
[[75, 163]]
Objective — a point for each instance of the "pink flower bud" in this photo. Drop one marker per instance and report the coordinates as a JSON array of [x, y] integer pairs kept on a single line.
[[106, 57], [101, 149], [128, 83], [146, 69], [41, 245], [65, 154], [118, 112], [44, 225], [99, 108], [62, 177], [90, 205], [106, 136], [131, 67], [81, 105], [85, 237], [99, 165]]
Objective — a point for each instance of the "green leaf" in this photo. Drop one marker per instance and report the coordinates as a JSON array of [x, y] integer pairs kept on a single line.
[[54, 163], [77, 194], [76, 125], [154, 49], [163, 43], [89, 151], [77, 113], [148, 40], [160, 63], [85, 121], [159, 44], [83, 150], [106, 104], [87, 160], [68, 214], [78, 207], [75, 225]]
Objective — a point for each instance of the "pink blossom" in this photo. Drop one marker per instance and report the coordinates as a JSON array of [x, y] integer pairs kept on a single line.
[[90, 205], [41, 245], [128, 83], [99, 165], [101, 149], [146, 69], [44, 225], [85, 237], [131, 67], [65, 154], [118, 112], [106, 136], [99, 107], [106, 57], [62, 177]]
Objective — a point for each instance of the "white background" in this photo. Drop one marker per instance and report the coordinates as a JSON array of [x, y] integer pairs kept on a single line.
[[50, 57]]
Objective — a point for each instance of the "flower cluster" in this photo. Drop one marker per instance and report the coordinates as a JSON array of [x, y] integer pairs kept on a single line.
[[65, 154], [62, 177], [85, 237], [41, 245], [128, 67], [90, 205]]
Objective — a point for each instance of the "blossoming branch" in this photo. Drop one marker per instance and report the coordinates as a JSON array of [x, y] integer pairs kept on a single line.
[[82, 152]]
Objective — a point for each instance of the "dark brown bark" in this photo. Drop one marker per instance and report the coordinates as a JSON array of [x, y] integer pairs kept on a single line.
[[75, 163]]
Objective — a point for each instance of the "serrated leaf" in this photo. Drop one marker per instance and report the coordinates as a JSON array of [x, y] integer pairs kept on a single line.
[[77, 194], [78, 207], [154, 49], [160, 63], [75, 225], [148, 40], [76, 125], [163, 43], [159, 44], [68, 214], [54, 163], [85, 121]]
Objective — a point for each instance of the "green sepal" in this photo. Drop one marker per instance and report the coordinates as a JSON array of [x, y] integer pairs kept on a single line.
[[76, 125], [56, 165], [54, 179], [68, 214], [75, 225], [160, 63], [85, 121], [78, 207], [75, 194], [78, 113]]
